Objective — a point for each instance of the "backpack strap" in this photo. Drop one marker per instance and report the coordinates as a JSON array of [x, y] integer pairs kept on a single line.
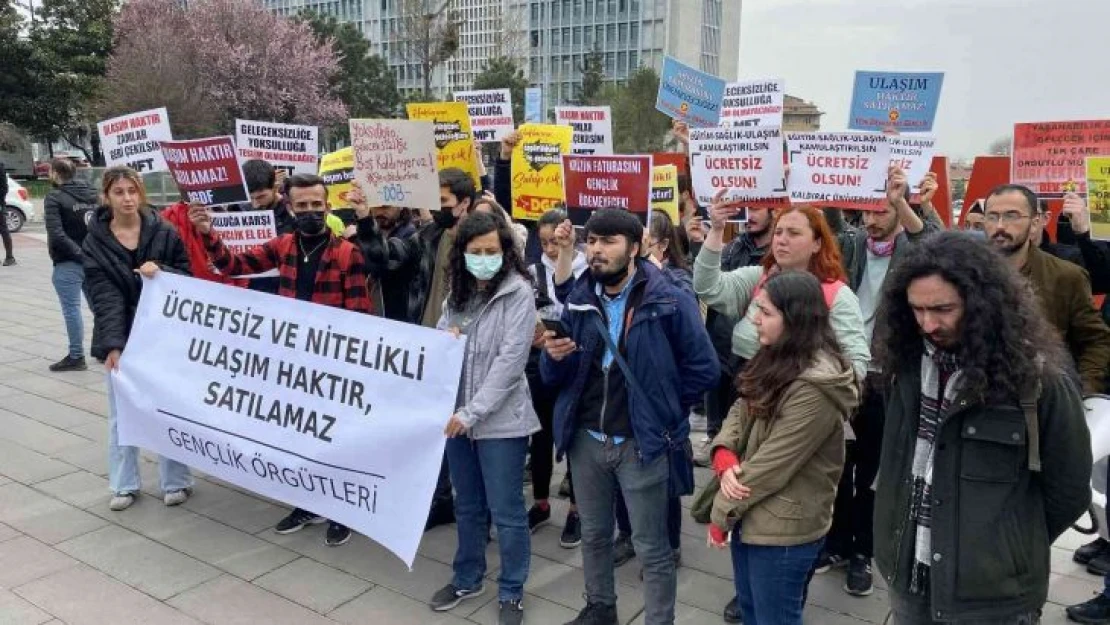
[[1029, 400]]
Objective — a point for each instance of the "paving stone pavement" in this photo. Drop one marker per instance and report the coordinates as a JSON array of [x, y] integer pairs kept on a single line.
[[65, 558]]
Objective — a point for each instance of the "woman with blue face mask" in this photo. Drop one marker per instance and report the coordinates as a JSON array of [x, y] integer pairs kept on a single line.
[[491, 305]]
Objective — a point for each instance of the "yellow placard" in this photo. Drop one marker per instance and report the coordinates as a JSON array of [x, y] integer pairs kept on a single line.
[[537, 183], [454, 140], [664, 191], [338, 171], [1098, 195]]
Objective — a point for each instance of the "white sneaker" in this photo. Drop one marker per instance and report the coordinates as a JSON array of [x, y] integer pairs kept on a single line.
[[121, 501], [698, 422], [176, 497]]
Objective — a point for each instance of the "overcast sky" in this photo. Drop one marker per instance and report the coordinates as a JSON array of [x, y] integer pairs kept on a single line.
[[1004, 61]]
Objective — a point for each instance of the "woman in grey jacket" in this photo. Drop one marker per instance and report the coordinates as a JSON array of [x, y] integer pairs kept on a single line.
[[491, 303]]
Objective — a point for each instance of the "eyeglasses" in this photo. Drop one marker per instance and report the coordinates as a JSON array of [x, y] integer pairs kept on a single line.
[[1008, 217]]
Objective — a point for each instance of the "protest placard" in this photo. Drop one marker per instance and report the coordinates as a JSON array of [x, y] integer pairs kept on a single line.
[[664, 191], [395, 162], [537, 183], [491, 113], [753, 103], [1050, 157], [338, 171], [533, 105], [914, 155], [1098, 195], [689, 95], [593, 128], [243, 230], [206, 170], [838, 169], [902, 101], [134, 140], [285, 146], [321, 408], [592, 182], [747, 161], [453, 141]]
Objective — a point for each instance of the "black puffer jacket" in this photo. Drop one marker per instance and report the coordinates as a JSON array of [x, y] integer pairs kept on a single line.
[[113, 286], [68, 210]]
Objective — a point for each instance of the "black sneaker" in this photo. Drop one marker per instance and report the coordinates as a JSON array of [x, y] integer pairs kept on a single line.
[[859, 577], [297, 520], [448, 597], [1095, 611], [441, 514], [623, 551], [337, 535], [1090, 551], [572, 532], [732, 611], [827, 561], [69, 363], [511, 612], [564, 487], [597, 614], [538, 517], [1100, 565], [8, 262]]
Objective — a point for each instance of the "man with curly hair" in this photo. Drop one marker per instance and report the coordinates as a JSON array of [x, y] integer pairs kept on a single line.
[[986, 458]]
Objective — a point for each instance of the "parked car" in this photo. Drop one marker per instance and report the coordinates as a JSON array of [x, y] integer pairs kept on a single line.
[[18, 209]]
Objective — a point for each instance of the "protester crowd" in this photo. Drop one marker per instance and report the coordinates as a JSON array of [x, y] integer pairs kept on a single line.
[[876, 390]]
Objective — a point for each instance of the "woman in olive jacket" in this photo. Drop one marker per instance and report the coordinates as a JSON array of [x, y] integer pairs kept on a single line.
[[126, 242], [781, 451]]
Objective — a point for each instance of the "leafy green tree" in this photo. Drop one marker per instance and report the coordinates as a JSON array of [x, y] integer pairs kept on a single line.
[[593, 77], [505, 73], [637, 127], [16, 83]]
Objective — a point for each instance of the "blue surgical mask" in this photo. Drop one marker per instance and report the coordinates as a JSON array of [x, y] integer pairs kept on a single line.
[[483, 267]]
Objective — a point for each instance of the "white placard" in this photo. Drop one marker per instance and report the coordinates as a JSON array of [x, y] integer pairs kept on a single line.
[[753, 103], [746, 161], [395, 162], [914, 154], [293, 148], [133, 140], [491, 113], [329, 410], [593, 128], [244, 230], [838, 169]]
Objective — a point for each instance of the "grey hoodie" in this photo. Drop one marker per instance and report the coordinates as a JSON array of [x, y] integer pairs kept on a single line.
[[496, 402]]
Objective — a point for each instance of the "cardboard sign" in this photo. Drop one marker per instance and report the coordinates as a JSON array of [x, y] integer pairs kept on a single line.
[[593, 128], [678, 159], [533, 105], [839, 169], [1050, 157], [537, 167], [1098, 195], [903, 101], [395, 162], [491, 113], [914, 154], [453, 138], [206, 170], [664, 191], [338, 171], [285, 146], [753, 103], [747, 162], [134, 140], [593, 182], [689, 95]]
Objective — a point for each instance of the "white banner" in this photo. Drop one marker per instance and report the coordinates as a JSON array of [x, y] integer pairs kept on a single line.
[[332, 411], [491, 113], [293, 148], [914, 154], [745, 161], [241, 231], [838, 169], [753, 103], [134, 140], [593, 128]]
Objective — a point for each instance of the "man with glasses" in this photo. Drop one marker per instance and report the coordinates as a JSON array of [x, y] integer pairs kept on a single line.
[[1064, 291]]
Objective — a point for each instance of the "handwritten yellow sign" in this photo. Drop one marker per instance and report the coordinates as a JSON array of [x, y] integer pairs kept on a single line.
[[664, 191], [1098, 195], [454, 140], [537, 183], [338, 171]]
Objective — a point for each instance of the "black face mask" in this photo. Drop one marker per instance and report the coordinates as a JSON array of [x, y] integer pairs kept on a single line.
[[311, 223], [445, 218], [612, 278]]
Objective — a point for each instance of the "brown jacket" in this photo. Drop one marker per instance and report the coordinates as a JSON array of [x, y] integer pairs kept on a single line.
[[1065, 295], [792, 461]]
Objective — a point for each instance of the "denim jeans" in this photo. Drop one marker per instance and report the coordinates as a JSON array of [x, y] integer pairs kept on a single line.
[[488, 476], [674, 520], [771, 581], [599, 470], [123, 462], [69, 282]]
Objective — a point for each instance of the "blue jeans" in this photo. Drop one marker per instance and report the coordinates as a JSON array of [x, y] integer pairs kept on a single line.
[[69, 282], [123, 462], [771, 581], [488, 476]]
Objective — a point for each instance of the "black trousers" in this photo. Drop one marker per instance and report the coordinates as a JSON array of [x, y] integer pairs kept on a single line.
[[853, 531], [4, 234], [542, 447], [719, 400]]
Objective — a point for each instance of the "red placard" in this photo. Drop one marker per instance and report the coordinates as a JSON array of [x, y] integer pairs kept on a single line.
[[206, 170], [942, 200], [678, 159], [1050, 157], [593, 182]]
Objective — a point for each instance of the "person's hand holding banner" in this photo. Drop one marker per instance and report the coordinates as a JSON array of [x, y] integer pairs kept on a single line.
[[694, 230], [564, 234], [929, 188], [358, 202], [508, 143], [198, 214], [455, 427], [896, 185], [111, 362], [681, 132], [721, 211], [1076, 210], [148, 269]]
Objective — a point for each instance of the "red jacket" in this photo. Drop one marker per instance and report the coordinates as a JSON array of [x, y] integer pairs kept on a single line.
[[201, 267]]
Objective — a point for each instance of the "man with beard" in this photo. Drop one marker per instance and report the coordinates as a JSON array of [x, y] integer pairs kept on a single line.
[[386, 226], [1063, 288], [635, 359]]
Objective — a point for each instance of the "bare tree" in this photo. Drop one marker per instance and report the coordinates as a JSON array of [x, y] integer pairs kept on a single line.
[[1003, 146], [428, 32]]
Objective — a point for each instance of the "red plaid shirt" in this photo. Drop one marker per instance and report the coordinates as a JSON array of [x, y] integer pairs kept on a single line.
[[340, 278]]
